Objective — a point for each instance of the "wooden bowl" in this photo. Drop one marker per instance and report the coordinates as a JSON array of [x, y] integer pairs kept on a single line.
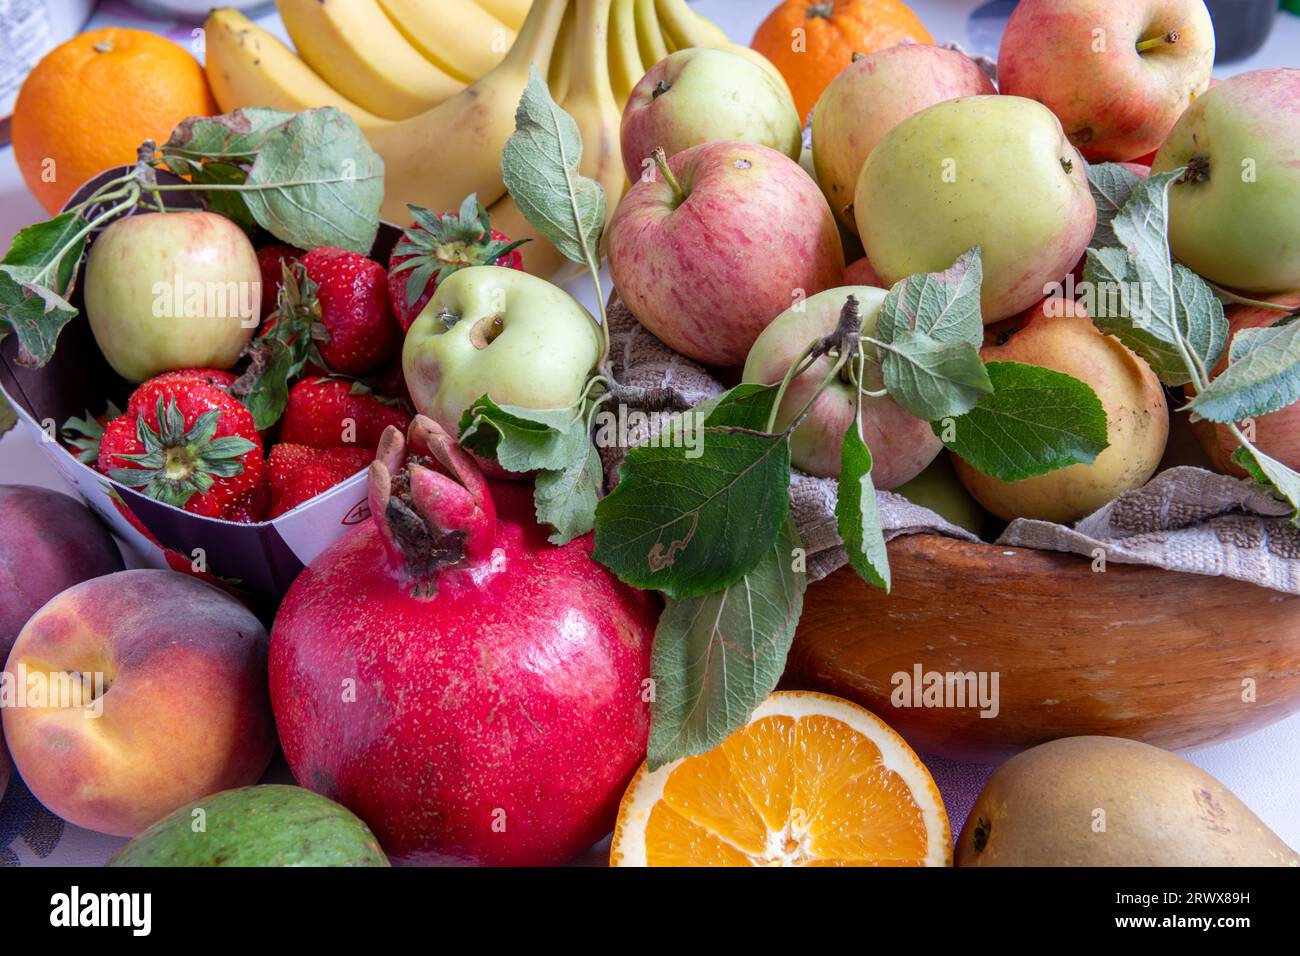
[[1158, 656]]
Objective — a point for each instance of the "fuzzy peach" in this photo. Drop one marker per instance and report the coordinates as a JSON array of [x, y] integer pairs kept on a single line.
[[169, 702]]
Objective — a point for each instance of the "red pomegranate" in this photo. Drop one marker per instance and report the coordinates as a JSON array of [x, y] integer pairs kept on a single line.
[[473, 692]]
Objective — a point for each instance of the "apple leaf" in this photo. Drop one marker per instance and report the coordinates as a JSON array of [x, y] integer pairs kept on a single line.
[[48, 253], [316, 182], [228, 202], [931, 378], [1272, 474], [718, 656], [566, 498], [1112, 187], [524, 439], [234, 137], [1155, 306], [1036, 420], [33, 313], [1263, 376], [856, 514], [690, 526], [943, 305], [540, 168]]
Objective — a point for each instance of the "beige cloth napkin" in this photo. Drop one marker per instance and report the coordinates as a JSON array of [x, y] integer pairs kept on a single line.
[[1185, 519]]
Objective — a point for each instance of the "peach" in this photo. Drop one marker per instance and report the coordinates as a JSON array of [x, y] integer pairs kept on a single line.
[[1278, 434], [48, 542], [1063, 338], [129, 695]]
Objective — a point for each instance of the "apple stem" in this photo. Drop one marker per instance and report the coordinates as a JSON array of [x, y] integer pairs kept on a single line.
[[1165, 39], [661, 160]]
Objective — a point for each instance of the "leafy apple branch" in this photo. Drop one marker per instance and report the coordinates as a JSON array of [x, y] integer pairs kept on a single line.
[[1174, 319], [308, 178]]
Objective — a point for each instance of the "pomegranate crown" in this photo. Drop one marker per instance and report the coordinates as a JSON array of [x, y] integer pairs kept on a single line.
[[429, 500]]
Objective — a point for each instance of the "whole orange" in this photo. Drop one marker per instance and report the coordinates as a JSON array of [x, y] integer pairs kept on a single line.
[[810, 41], [91, 102]]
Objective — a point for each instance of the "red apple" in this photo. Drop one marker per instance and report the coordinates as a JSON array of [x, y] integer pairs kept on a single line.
[[901, 445], [723, 240], [169, 703], [1061, 336], [870, 97], [1278, 434], [1118, 73], [862, 273]]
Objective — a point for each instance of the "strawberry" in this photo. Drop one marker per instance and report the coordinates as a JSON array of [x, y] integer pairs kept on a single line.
[[328, 412], [300, 473], [435, 247], [191, 445], [82, 435], [351, 302], [148, 396], [273, 259]]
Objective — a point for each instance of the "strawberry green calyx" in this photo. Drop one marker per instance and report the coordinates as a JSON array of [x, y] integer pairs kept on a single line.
[[83, 435], [179, 462], [440, 246]]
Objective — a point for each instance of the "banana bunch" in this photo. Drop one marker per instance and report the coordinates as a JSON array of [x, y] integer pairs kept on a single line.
[[433, 84]]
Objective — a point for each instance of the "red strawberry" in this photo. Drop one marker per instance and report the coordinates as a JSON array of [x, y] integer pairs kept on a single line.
[[328, 412], [147, 394], [189, 444], [300, 473], [273, 259], [351, 302], [435, 247]]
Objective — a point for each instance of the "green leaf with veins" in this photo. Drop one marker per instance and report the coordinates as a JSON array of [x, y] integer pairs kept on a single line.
[[1112, 187], [1263, 376], [33, 314], [566, 498], [1036, 420], [235, 137], [1272, 474], [316, 182], [943, 305], [718, 656], [540, 168], [1153, 305], [228, 202], [932, 378], [691, 526], [524, 439], [856, 514], [37, 248]]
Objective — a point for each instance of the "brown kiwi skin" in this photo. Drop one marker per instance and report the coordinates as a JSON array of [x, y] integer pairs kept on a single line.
[[1108, 801]]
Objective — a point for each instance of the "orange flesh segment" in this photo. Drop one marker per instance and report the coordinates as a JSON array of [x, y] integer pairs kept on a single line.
[[806, 791]]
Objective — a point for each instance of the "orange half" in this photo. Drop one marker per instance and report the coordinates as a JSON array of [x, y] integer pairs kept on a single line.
[[811, 780]]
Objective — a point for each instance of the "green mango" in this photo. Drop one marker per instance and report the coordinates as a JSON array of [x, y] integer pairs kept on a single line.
[[269, 825]]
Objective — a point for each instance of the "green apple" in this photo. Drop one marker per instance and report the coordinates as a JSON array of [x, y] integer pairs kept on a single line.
[[990, 171], [939, 489], [700, 95], [502, 333], [871, 96], [1235, 218], [901, 445], [172, 290]]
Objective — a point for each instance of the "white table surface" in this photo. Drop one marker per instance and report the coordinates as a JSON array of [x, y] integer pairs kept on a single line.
[[1263, 769]]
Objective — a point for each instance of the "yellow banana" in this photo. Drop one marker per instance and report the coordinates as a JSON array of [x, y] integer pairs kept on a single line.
[[562, 60], [438, 158], [592, 105], [683, 27], [247, 66], [356, 48], [509, 12], [625, 66], [461, 39], [649, 35]]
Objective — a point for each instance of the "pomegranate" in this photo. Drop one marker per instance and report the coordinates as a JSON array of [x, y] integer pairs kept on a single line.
[[473, 692]]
